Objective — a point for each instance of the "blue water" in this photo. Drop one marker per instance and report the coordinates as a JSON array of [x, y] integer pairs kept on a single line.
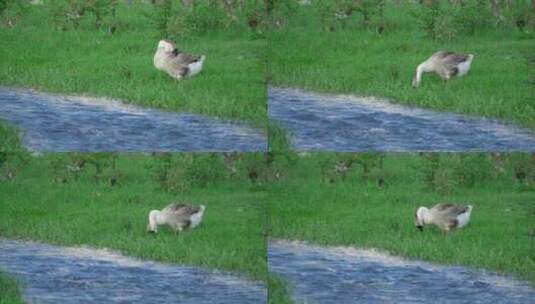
[[348, 123], [345, 275], [54, 123], [51, 274]]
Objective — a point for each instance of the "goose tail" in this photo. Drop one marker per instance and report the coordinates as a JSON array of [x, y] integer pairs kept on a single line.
[[196, 67]]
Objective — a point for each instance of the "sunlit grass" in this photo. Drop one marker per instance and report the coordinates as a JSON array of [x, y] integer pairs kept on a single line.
[[279, 292], [9, 291], [92, 62], [9, 139], [362, 62], [87, 212], [358, 212]]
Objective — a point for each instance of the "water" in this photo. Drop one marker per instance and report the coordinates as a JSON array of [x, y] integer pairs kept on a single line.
[[348, 123], [65, 123], [52, 274], [347, 275]]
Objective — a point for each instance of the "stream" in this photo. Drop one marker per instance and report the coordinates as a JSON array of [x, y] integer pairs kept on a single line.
[[56, 123], [326, 275], [350, 123], [52, 274]]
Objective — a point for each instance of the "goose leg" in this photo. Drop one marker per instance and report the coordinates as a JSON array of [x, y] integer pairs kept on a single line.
[[177, 228]]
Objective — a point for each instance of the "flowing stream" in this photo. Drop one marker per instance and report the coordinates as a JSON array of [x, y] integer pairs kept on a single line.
[[56, 123], [349, 123], [52, 274], [347, 275]]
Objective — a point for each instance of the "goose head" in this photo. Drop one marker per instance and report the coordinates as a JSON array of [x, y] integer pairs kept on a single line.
[[417, 77], [154, 217], [415, 82], [166, 46]]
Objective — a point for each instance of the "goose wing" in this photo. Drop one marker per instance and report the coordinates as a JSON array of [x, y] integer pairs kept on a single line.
[[181, 61], [173, 207], [451, 210], [184, 58], [453, 59], [182, 210]]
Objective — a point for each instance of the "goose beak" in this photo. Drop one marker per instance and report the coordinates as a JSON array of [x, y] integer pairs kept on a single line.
[[421, 228]]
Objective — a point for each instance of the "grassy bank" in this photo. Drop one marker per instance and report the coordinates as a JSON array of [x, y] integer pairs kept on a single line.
[[109, 208], [279, 292], [358, 60], [89, 61], [9, 139], [9, 291], [372, 204]]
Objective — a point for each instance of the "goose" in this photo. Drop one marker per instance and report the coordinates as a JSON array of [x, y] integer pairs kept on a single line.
[[445, 64], [445, 216], [177, 216], [176, 63]]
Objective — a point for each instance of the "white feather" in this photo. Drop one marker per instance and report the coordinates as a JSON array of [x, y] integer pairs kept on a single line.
[[464, 67], [196, 67], [196, 218], [464, 218]]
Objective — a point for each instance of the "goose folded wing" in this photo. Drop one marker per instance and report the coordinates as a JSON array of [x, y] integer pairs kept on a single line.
[[451, 210], [180, 219], [185, 59], [173, 207], [455, 59], [186, 210]]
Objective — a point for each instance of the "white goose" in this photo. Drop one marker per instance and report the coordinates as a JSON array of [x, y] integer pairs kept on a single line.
[[176, 63], [445, 64], [445, 216], [177, 216]]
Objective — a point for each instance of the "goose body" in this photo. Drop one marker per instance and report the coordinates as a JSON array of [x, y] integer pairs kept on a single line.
[[445, 216], [175, 63], [176, 216], [445, 64]]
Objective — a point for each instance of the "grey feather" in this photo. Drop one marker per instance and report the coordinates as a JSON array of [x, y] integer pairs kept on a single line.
[[182, 210], [184, 58], [451, 208]]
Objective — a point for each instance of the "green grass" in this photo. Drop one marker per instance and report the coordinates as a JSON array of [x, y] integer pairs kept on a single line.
[[87, 212], [9, 139], [362, 62], [9, 291], [279, 292], [358, 212], [92, 62]]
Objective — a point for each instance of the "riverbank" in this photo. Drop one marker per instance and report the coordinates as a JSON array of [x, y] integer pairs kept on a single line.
[[324, 122], [320, 274], [72, 275], [366, 63], [103, 202], [93, 62], [59, 123], [367, 201], [10, 141], [9, 291]]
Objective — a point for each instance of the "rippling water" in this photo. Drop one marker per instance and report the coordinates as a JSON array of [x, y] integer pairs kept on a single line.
[[347, 275], [65, 123], [52, 274], [349, 123]]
